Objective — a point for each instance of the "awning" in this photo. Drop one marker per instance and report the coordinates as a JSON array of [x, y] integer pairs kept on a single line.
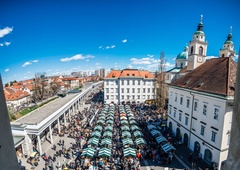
[[126, 134], [129, 152], [106, 141], [109, 122], [109, 128], [160, 139], [134, 127], [127, 141], [137, 133], [104, 152], [107, 134], [89, 152], [102, 122], [167, 147], [93, 141], [140, 141], [125, 128], [131, 122], [96, 134], [155, 133], [98, 128], [124, 122], [151, 127]]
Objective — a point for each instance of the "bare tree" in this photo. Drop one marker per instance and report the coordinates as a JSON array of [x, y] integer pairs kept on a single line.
[[160, 85], [39, 86]]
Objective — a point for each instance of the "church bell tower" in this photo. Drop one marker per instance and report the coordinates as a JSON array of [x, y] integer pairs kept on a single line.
[[228, 46], [197, 48]]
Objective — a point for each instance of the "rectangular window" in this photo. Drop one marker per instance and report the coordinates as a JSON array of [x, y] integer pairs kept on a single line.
[[127, 82], [205, 109], [107, 82], [133, 90], [122, 82], [138, 96], [116, 90], [202, 130], [127, 90], [213, 138], [216, 113], [112, 97], [180, 117], [175, 97], [138, 90], [133, 97], [195, 105], [174, 113], [107, 90], [116, 82], [128, 97], [143, 97], [148, 96], [188, 103], [122, 97], [139, 82], [107, 96], [170, 110], [122, 90], [116, 96], [112, 90], [186, 120], [181, 100], [153, 90], [144, 90], [133, 83], [148, 90], [144, 82]]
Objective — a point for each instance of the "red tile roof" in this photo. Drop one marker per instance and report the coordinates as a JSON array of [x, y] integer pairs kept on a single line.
[[130, 73], [217, 75]]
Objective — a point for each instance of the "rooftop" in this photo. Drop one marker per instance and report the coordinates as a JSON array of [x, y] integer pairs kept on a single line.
[[43, 112], [217, 76]]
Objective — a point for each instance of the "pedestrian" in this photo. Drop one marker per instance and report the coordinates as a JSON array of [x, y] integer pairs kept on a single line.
[[190, 157]]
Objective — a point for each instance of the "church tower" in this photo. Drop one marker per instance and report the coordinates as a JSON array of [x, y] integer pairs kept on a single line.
[[228, 46], [197, 48]]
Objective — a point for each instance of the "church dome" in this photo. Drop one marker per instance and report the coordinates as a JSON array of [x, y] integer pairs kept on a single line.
[[183, 55]]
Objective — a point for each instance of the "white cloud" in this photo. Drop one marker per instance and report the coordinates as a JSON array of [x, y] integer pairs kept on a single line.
[[113, 46], [124, 41], [6, 70], [7, 43], [35, 61], [151, 56], [1, 44], [26, 64], [174, 58], [5, 31], [209, 57], [100, 47], [130, 66], [107, 47], [76, 57], [87, 60], [140, 61]]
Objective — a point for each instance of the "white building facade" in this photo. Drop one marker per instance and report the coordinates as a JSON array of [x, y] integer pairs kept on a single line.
[[129, 85], [201, 101]]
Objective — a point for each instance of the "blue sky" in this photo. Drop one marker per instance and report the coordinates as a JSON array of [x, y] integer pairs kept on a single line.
[[59, 37]]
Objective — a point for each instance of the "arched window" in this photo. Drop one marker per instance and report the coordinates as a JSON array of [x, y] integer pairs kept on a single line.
[[192, 50], [208, 156], [223, 55], [200, 50]]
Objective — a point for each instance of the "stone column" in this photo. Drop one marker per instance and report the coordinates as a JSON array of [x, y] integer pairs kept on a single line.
[[64, 118], [50, 132], [59, 128], [233, 159], [39, 144]]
